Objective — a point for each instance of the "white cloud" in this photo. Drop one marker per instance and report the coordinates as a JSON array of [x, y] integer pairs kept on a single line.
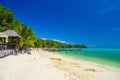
[[59, 41], [44, 38]]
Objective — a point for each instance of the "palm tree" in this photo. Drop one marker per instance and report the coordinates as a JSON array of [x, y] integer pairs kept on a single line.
[[6, 16], [27, 35]]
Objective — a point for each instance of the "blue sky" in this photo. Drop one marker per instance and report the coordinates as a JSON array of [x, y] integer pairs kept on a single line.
[[95, 23]]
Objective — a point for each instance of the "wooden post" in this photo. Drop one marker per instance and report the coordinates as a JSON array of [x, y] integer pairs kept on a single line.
[[4, 43]]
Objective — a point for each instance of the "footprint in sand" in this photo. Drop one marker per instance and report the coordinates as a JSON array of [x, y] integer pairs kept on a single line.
[[70, 77], [33, 58], [92, 70], [75, 65]]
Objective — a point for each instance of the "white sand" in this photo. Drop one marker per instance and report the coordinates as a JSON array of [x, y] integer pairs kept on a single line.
[[40, 66]]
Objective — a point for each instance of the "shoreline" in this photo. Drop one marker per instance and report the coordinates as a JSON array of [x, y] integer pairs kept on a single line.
[[103, 61], [91, 61], [44, 65]]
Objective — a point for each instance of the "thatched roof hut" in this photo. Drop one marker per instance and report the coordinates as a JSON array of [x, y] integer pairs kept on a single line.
[[11, 34]]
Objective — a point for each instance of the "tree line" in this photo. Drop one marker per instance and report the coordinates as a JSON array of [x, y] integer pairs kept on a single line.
[[29, 39]]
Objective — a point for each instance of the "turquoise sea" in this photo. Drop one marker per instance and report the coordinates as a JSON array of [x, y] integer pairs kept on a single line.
[[107, 56]]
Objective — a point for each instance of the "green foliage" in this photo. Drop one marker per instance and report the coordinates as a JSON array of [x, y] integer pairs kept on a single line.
[[38, 42], [6, 16], [55, 44], [27, 35], [7, 21]]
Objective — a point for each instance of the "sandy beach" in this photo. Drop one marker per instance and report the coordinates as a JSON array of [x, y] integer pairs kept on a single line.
[[44, 65]]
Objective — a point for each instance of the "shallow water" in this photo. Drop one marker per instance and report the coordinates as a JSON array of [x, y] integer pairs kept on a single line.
[[107, 56]]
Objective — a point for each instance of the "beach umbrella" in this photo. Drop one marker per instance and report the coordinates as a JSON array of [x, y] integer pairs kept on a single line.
[[3, 35]]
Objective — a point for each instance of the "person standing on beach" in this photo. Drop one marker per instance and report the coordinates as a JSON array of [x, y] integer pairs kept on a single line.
[[20, 49]]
